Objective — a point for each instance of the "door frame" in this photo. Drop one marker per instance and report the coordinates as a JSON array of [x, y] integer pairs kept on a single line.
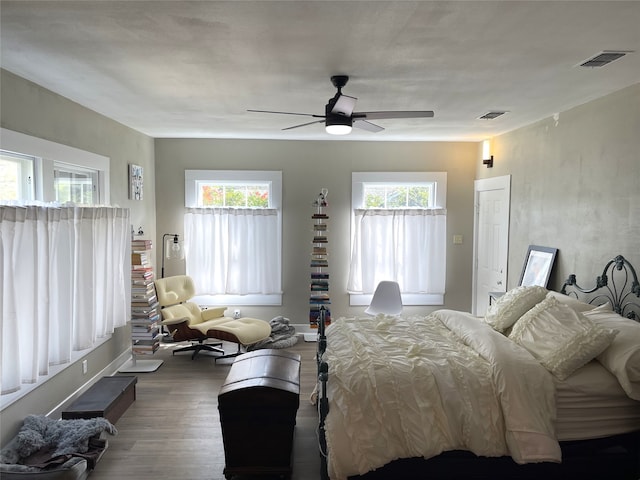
[[483, 185]]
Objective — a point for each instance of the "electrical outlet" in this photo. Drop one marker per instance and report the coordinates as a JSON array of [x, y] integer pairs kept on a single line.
[[236, 313], [84, 367]]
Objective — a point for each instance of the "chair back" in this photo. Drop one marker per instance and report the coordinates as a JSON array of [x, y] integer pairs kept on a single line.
[[386, 299], [174, 290]]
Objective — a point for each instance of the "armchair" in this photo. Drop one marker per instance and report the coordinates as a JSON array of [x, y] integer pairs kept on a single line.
[[186, 321]]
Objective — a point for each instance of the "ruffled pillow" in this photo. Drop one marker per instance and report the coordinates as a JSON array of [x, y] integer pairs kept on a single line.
[[562, 339], [512, 305]]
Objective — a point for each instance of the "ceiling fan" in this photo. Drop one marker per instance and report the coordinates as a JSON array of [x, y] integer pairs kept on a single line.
[[339, 116]]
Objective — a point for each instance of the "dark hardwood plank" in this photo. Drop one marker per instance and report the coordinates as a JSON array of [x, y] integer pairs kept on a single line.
[[172, 430]]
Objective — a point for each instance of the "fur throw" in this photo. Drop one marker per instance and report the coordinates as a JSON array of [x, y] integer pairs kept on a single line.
[[283, 335], [63, 436]]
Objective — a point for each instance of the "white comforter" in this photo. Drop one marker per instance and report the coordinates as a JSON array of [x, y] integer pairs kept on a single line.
[[417, 386]]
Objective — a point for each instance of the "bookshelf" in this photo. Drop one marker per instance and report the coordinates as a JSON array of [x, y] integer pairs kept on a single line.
[[319, 284], [145, 311]]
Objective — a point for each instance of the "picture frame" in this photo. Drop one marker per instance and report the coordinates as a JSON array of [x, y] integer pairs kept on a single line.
[[538, 265], [136, 182]]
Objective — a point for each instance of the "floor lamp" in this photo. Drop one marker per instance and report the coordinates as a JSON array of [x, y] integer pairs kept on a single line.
[[171, 248]]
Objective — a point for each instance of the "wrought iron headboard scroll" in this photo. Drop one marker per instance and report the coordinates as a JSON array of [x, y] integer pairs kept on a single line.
[[619, 296]]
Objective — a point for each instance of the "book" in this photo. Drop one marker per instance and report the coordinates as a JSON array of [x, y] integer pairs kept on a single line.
[[144, 301], [139, 259], [140, 245]]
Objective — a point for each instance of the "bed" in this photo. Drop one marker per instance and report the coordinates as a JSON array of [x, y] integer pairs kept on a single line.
[[546, 385]]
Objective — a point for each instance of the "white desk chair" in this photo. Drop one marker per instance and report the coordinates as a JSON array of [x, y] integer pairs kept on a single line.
[[386, 299]]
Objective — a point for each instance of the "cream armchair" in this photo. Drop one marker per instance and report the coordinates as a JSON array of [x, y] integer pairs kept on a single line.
[[186, 321]]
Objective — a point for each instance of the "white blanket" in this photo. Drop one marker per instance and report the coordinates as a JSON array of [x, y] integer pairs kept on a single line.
[[417, 386]]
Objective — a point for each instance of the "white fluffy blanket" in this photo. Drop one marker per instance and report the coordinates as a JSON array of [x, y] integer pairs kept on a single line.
[[417, 386]]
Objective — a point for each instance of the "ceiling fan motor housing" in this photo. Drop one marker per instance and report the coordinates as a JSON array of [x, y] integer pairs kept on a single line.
[[336, 118]]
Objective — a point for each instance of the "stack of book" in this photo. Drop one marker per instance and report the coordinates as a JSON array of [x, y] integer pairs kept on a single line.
[[145, 309], [319, 285]]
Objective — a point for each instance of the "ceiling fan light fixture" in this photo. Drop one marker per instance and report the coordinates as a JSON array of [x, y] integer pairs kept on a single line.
[[338, 125], [338, 129]]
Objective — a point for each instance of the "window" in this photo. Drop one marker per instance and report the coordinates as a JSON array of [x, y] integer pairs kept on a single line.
[[232, 194], [84, 277], [75, 184], [17, 180], [398, 195], [35, 169], [398, 233], [232, 236]]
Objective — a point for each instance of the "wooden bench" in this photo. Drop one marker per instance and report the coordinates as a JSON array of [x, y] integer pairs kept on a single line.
[[258, 403], [109, 397]]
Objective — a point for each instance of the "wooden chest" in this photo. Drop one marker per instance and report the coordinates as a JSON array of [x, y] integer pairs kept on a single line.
[[258, 403], [109, 397]]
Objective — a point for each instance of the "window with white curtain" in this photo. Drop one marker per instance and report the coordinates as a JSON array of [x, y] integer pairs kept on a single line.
[[398, 233], [63, 287], [65, 269], [233, 236]]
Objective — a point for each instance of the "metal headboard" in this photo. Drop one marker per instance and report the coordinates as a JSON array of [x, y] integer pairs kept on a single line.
[[618, 288]]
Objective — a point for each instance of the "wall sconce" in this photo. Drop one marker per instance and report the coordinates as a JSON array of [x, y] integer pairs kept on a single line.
[[171, 248], [487, 158]]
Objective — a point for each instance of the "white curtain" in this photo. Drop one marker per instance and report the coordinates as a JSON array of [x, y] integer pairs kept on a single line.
[[63, 285], [404, 245], [234, 251]]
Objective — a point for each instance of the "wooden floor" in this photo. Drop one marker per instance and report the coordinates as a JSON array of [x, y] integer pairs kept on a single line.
[[172, 430]]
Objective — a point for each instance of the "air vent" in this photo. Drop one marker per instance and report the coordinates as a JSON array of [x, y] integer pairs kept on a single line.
[[491, 115], [603, 58]]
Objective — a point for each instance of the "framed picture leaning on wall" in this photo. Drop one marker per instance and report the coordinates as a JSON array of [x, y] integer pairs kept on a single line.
[[538, 265]]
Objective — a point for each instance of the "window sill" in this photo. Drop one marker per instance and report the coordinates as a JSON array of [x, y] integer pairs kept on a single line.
[[359, 300], [26, 388], [237, 300]]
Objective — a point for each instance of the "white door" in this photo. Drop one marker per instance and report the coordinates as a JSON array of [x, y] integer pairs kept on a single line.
[[490, 239]]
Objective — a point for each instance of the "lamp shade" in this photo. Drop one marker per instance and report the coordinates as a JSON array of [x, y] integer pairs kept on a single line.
[[486, 149], [174, 248]]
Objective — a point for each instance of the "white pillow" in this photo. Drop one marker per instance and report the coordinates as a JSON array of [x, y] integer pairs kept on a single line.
[[622, 357], [512, 305], [576, 304], [562, 339]]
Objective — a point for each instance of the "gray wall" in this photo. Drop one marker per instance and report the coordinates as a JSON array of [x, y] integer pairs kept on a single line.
[[307, 167], [32, 110], [575, 186]]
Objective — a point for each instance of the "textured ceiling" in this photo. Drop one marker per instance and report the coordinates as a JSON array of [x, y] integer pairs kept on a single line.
[[192, 69]]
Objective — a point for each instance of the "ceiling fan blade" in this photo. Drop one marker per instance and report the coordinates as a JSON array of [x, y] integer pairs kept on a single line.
[[398, 114], [363, 124], [287, 113], [344, 105], [304, 124]]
